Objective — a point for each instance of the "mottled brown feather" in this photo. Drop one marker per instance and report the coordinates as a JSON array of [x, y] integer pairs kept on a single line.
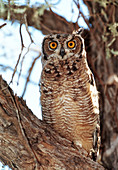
[[69, 97]]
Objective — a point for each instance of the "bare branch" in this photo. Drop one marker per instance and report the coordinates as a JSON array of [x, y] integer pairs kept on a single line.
[[3, 25], [30, 71], [26, 142]]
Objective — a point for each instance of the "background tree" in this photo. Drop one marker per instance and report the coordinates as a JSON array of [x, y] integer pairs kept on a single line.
[[27, 142]]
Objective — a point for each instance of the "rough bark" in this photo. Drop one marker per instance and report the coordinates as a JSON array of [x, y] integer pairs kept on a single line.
[[104, 64], [28, 143]]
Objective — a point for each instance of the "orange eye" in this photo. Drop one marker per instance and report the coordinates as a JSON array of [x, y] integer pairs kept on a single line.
[[71, 44], [53, 45]]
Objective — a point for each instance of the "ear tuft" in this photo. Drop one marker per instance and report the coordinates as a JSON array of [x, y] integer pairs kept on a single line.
[[79, 31]]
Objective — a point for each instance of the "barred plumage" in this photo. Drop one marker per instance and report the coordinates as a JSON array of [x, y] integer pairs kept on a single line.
[[69, 97]]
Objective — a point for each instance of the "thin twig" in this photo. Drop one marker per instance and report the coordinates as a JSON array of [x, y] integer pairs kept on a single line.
[[5, 67], [22, 46], [30, 71], [21, 37], [26, 25], [22, 64], [80, 12], [3, 25]]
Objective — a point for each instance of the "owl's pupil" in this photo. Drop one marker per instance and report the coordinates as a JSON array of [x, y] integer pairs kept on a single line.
[[71, 44], [53, 45]]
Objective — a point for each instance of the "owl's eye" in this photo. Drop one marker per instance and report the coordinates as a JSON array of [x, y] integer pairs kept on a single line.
[[53, 45], [71, 44]]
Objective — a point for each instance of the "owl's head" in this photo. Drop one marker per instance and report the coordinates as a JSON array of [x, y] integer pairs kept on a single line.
[[62, 46]]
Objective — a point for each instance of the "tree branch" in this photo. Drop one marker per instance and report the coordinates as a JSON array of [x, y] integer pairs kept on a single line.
[[40, 19], [28, 143]]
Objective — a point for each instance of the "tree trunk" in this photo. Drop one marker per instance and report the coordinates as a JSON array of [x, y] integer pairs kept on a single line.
[[103, 58], [28, 143]]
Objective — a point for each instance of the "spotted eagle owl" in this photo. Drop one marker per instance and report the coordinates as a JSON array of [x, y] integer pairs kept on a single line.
[[69, 97]]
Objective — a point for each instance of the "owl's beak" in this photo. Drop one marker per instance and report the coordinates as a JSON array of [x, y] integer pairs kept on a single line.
[[62, 52]]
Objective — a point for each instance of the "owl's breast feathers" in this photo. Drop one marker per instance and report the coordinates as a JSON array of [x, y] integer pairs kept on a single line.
[[69, 100]]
